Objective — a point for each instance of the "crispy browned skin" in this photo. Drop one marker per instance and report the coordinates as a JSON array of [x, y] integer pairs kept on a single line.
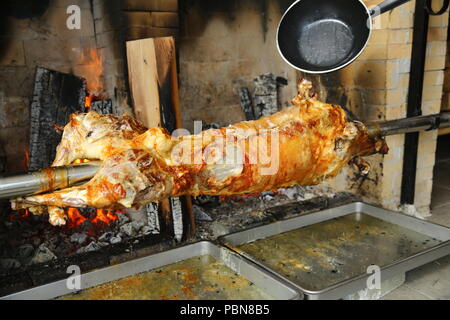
[[140, 166]]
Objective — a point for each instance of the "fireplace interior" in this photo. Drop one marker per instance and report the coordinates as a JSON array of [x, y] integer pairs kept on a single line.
[[216, 63]]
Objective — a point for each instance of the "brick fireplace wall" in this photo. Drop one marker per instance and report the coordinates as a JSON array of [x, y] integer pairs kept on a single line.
[[110, 34], [25, 44], [44, 40], [150, 18], [223, 46]]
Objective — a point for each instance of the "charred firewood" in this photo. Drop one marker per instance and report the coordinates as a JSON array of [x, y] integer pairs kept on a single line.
[[56, 96], [265, 96], [246, 104]]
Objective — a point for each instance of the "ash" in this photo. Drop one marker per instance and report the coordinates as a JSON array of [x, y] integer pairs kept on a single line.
[[219, 216], [30, 240]]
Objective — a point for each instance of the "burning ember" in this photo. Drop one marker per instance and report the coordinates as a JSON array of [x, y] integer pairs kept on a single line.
[[99, 217], [88, 101], [85, 230], [23, 214], [106, 216], [75, 218], [27, 159]]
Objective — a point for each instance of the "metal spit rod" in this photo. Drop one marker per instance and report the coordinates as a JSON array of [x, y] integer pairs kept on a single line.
[[40, 181], [50, 179], [407, 125]]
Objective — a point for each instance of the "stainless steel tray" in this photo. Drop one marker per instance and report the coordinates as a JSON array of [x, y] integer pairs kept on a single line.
[[261, 279], [326, 254]]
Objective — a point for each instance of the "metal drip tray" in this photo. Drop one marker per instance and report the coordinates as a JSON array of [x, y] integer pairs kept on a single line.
[[200, 271], [326, 254]]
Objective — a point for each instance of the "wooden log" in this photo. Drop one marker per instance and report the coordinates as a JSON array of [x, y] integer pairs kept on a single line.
[[186, 201], [165, 53], [143, 79], [181, 207], [153, 216], [175, 93], [158, 77], [56, 95]]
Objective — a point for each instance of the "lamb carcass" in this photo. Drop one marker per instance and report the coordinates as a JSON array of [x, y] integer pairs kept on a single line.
[[303, 144]]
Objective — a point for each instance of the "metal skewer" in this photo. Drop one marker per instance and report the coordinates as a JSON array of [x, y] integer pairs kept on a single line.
[[406, 125], [44, 180]]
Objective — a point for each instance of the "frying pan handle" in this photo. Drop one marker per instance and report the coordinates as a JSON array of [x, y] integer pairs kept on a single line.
[[386, 5]]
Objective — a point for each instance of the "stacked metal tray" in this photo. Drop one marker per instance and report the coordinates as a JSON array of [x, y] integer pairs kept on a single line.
[[327, 254]]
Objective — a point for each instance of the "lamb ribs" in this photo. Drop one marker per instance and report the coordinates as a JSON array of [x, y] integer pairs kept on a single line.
[[303, 144]]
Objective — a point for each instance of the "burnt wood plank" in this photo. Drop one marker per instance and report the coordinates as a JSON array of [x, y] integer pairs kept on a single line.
[[246, 104], [154, 83], [265, 97], [103, 107], [181, 207], [165, 55], [143, 79], [56, 95]]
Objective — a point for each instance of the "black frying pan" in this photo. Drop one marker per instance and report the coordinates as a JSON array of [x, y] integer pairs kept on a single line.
[[318, 36]]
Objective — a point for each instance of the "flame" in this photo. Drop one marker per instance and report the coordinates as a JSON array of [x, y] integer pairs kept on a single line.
[[27, 159], [105, 216], [91, 68], [88, 102], [21, 214], [75, 218]]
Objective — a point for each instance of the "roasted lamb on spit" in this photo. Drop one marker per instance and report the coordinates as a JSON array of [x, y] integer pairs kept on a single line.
[[303, 144]]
